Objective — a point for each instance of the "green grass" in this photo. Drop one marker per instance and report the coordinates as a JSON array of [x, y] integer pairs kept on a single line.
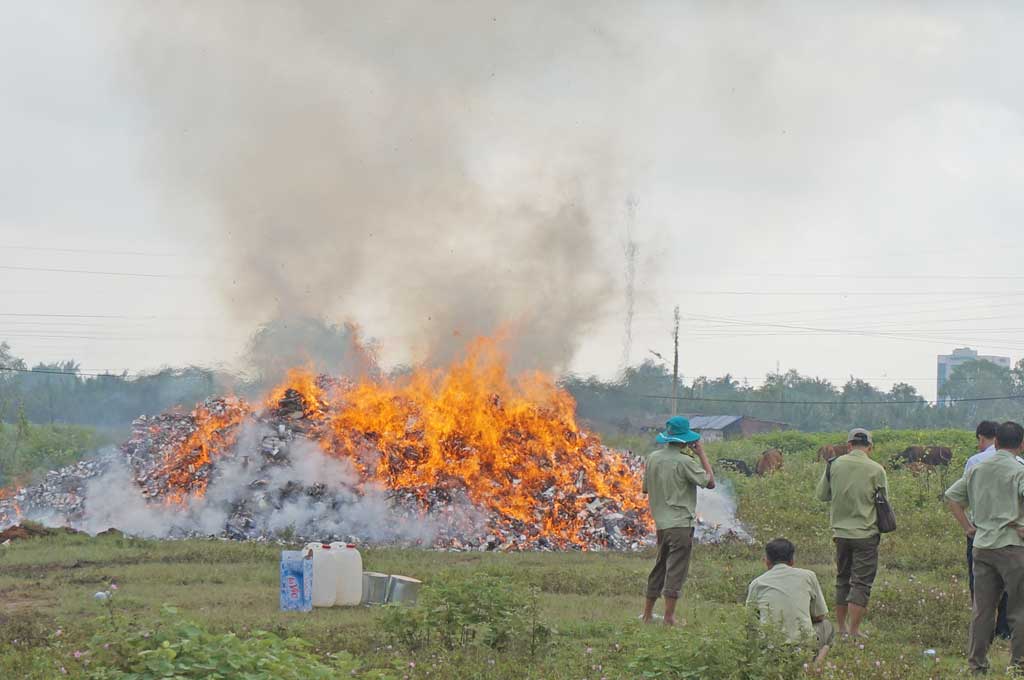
[[590, 600], [28, 451]]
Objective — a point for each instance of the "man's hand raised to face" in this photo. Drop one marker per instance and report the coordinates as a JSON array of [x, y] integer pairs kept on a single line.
[[698, 447]]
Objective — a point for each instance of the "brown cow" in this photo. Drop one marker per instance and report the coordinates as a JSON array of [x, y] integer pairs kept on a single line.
[[938, 455], [930, 456], [912, 454], [770, 461], [830, 451]]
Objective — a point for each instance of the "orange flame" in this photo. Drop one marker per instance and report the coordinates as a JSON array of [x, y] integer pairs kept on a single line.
[[513, 445], [303, 381], [214, 433]]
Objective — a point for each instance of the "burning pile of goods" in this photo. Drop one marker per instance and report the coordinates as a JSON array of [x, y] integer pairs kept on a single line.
[[468, 457]]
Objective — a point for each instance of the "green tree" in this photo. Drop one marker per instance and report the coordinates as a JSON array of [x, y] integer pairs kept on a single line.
[[979, 379]]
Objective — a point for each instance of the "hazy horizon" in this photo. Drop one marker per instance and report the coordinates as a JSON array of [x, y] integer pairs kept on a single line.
[[818, 187]]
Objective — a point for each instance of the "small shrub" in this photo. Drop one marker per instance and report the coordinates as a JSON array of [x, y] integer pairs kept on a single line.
[[24, 629], [180, 648], [737, 649], [479, 610], [28, 664]]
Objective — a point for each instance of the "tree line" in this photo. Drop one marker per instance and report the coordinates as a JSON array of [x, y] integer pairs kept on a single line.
[[60, 393], [627, 404]]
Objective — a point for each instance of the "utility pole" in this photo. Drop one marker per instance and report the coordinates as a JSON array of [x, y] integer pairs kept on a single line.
[[782, 391], [675, 363]]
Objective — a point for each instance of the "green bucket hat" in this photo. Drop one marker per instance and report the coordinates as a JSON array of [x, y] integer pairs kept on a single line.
[[677, 429]]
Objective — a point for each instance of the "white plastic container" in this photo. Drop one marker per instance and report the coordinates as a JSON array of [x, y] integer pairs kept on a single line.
[[325, 573], [348, 575]]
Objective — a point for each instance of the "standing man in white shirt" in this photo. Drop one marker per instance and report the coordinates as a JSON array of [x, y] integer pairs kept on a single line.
[[986, 434]]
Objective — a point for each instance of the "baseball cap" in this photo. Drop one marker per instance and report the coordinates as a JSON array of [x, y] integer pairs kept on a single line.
[[859, 435]]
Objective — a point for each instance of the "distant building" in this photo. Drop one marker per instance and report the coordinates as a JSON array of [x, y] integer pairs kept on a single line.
[[961, 355], [717, 428]]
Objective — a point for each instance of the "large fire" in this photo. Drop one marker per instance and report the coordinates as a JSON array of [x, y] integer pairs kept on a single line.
[[512, 444], [509, 445]]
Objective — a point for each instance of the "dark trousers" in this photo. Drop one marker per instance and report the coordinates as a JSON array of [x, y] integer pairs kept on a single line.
[[1002, 625], [673, 564], [996, 571], [856, 567]]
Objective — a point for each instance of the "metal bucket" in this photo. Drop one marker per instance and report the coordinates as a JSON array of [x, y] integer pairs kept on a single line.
[[375, 587], [403, 590]]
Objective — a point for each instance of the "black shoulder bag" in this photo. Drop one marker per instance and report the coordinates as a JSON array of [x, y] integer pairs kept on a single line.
[[886, 517]]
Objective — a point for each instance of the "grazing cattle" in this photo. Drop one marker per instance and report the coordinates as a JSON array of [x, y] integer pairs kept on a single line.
[[938, 455], [735, 465], [924, 455], [830, 451], [911, 454], [770, 461]]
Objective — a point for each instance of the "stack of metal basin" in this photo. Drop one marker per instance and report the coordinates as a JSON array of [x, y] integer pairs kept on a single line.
[[381, 588], [375, 587]]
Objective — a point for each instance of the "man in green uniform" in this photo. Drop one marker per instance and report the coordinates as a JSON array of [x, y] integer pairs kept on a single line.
[[994, 491], [791, 598], [671, 478], [850, 483]]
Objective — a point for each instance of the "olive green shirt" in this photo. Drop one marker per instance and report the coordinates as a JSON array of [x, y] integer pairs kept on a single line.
[[671, 478], [994, 491], [788, 597], [855, 478]]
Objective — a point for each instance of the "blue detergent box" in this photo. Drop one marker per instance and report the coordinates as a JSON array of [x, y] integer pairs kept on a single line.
[[296, 581]]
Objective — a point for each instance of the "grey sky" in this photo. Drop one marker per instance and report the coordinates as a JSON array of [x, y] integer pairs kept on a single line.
[[799, 166]]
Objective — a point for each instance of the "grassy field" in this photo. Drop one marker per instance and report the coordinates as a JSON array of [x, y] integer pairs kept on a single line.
[[568, 615], [28, 451]]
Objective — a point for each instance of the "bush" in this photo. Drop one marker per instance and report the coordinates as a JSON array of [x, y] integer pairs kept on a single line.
[[479, 610], [27, 450], [736, 649], [180, 648]]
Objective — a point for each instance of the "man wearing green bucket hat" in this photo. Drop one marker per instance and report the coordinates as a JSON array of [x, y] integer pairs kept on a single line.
[[671, 478]]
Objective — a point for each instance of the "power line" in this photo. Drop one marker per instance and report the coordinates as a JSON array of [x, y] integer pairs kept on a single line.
[[838, 293], [89, 271], [859, 277], [80, 374], [49, 371], [46, 315], [89, 251], [828, 331], [835, 403]]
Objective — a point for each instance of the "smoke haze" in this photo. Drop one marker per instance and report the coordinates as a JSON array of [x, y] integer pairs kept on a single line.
[[716, 509], [378, 160], [357, 160]]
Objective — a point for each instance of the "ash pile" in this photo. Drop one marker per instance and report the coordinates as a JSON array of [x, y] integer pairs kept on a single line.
[[226, 470]]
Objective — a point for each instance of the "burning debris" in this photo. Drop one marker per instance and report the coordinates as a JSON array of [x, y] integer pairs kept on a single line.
[[469, 458], [462, 460]]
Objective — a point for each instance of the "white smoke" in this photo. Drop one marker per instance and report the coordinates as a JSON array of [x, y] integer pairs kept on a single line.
[[716, 510], [113, 500], [343, 509]]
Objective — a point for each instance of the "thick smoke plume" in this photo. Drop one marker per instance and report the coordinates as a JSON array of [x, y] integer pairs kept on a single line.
[[385, 162]]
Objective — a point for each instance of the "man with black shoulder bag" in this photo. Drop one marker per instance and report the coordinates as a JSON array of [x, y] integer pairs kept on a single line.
[[858, 491]]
